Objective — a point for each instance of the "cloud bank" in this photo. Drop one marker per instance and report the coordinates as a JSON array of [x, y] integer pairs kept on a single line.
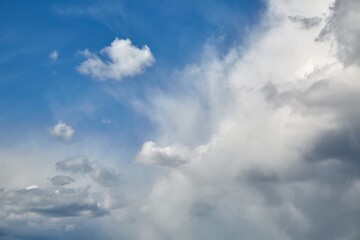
[[121, 59], [277, 125]]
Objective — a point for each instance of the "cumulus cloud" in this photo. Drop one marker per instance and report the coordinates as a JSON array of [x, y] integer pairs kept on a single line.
[[280, 161], [62, 131], [121, 59], [54, 55], [151, 154]]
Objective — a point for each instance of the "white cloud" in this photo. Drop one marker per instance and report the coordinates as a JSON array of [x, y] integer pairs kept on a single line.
[[62, 131], [151, 154], [54, 55], [278, 126], [121, 59]]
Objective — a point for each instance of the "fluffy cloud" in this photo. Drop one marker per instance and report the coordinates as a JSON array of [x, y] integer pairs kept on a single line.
[[122, 59], [62, 131], [279, 137], [173, 156]]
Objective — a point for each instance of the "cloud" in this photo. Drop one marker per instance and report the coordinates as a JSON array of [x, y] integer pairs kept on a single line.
[[57, 211], [79, 164], [105, 177], [122, 59], [306, 22], [280, 144], [341, 26], [173, 156], [57, 203], [61, 180], [62, 131], [54, 55]]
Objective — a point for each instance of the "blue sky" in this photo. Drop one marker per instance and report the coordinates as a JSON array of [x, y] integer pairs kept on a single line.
[[33, 86], [179, 119]]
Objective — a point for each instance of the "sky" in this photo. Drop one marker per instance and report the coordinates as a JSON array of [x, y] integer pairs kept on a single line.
[[179, 119]]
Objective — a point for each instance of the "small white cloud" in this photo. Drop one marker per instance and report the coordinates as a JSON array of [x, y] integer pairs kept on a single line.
[[122, 59], [63, 131], [171, 156], [54, 55]]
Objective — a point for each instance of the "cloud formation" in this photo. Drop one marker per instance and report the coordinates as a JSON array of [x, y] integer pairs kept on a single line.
[[342, 27], [39, 210], [281, 160], [62, 131], [151, 154], [121, 59], [54, 55]]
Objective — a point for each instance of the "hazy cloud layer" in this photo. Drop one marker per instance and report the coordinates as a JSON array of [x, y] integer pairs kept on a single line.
[[122, 59]]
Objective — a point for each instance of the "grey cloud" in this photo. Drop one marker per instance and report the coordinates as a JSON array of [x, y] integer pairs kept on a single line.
[[63, 202], [341, 143], [106, 177], [306, 22], [343, 26], [61, 180], [71, 210], [79, 164]]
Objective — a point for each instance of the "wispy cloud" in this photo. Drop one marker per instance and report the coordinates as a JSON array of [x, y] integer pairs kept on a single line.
[[54, 55]]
